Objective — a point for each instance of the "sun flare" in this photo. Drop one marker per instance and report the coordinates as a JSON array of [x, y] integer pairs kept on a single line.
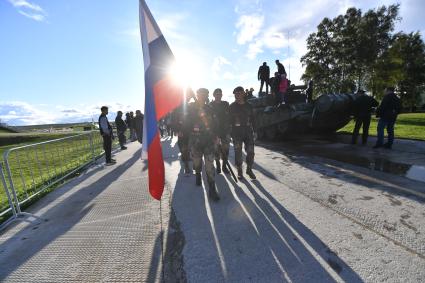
[[187, 72]]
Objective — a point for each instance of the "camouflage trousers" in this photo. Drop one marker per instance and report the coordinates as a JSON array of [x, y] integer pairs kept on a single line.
[[246, 139], [201, 146], [183, 143], [222, 150]]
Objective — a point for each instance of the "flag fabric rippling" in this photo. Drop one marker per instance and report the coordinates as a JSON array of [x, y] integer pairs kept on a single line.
[[162, 95]]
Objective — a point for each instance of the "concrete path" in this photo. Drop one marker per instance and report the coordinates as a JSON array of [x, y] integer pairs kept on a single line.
[[100, 227], [306, 219]]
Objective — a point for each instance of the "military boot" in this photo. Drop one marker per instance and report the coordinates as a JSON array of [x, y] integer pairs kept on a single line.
[[187, 170], [213, 191], [240, 173], [218, 166], [224, 168], [198, 179], [250, 173]]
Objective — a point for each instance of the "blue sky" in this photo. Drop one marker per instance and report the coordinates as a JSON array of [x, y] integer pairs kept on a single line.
[[61, 60]]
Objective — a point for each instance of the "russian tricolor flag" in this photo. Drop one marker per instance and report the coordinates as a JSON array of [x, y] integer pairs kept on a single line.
[[162, 95]]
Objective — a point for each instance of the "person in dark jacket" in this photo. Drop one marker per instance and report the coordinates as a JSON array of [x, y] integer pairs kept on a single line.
[[280, 68], [242, 131], [221, 110], [274, 85], [264, 77], [362, 111], [138, 125], [309, 91], [387, 113], [132, 127], [121, 128], [178, 118], [202, 125], [107, 135]]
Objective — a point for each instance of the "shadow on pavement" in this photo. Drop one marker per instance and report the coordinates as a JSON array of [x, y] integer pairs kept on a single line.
[[61, 222], [242, 237]]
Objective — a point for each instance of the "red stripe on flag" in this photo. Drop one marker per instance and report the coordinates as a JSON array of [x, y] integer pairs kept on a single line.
[[168, 95], [156, 168]]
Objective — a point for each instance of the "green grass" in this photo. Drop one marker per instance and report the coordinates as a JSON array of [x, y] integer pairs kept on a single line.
[[407, 126], [38, 167]]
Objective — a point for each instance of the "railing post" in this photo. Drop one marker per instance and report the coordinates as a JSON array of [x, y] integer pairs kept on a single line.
[[3, 179], [12, 187], [92, 147]]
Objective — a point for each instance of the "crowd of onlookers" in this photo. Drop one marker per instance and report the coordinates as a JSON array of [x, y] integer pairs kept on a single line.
[[132, 122], [279, 84]]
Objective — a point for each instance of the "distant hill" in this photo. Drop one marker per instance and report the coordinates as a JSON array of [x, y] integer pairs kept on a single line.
[[7, 129], [49, 127]]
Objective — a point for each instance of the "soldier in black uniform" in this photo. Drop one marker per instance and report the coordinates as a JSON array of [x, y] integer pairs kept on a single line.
[[243, 127], [362, 111], [201, 123], [221, 110], [178, 119]]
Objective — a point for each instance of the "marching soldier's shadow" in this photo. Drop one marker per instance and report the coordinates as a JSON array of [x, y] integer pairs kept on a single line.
[[248, 237], [278, 238]]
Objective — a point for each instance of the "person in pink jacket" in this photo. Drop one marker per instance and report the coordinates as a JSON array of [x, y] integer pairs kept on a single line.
[[283, 87]]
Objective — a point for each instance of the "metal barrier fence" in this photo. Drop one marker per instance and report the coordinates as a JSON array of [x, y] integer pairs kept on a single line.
[[33, 168], [6, 207]]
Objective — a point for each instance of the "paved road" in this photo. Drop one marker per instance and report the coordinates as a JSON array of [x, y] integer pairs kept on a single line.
[[306, 219]]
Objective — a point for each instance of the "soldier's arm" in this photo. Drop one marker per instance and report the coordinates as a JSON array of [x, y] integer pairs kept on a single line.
[[252, 118]]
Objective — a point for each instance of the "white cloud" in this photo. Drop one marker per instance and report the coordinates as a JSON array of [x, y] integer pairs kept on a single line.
[[217, 65], [29, 10], [17, 113], [290, 24], [22, 113], [254, 49], [249, 26]]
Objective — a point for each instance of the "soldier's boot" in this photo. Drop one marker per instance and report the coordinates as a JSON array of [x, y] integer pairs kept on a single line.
[[240, 173], [187, 170], [224, 168], [198, 179], [212, 192], [217, 166], [250, 173]]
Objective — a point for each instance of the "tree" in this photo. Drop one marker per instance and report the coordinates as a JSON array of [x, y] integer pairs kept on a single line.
[[345, 51], [408, 56]]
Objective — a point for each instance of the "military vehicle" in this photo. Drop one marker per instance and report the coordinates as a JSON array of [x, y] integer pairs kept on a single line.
[[328, 113]]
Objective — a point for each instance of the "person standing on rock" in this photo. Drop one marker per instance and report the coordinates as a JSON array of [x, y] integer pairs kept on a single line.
[[264, 77], [280, 68], [242, 131], [203, 139]]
